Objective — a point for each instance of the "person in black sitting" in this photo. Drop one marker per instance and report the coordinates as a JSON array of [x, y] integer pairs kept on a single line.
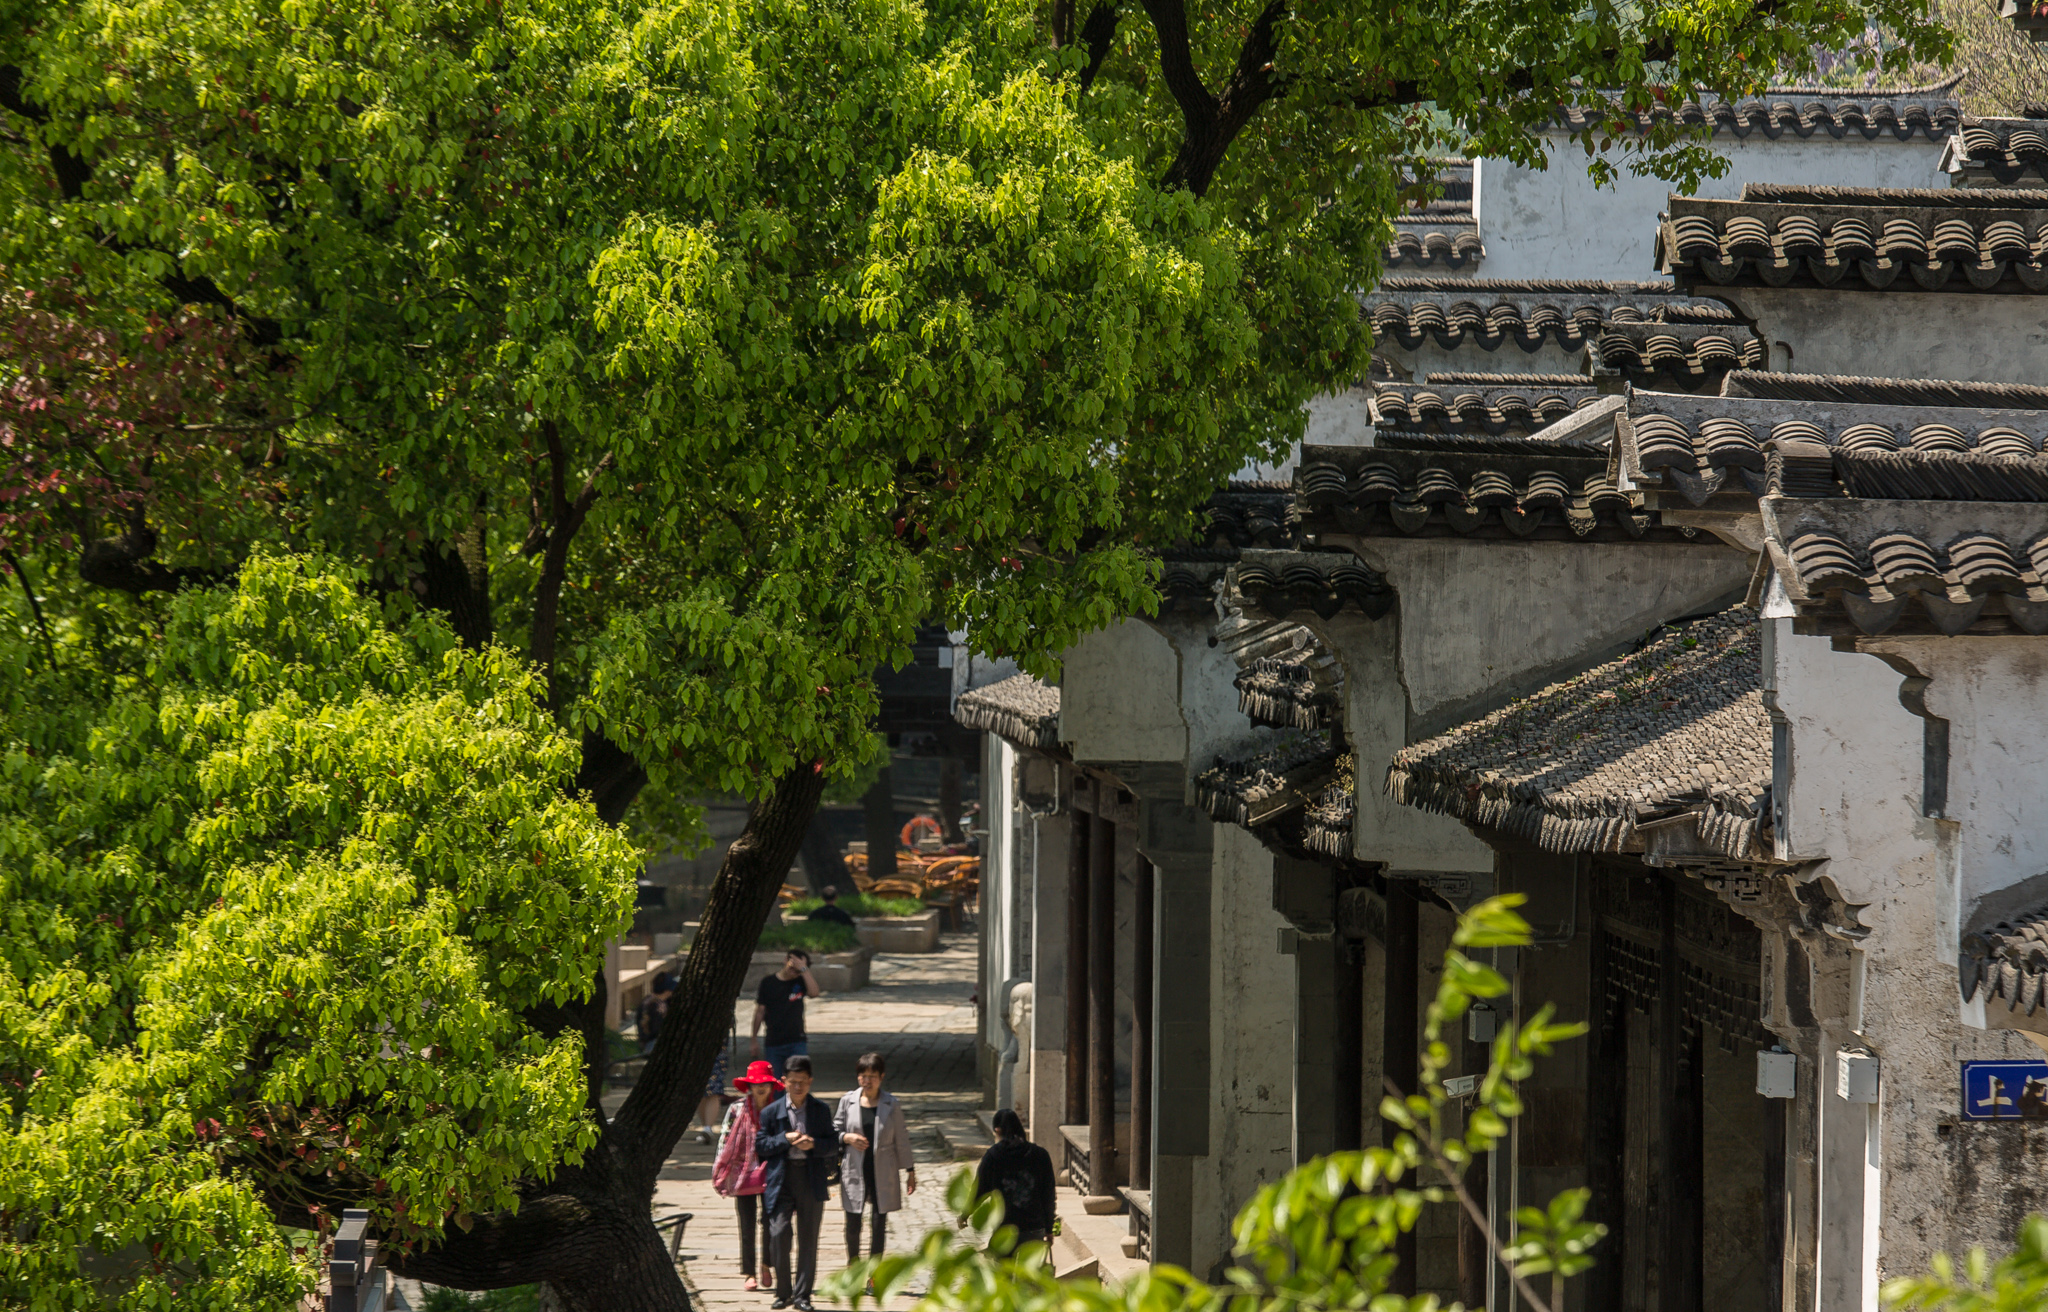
[[1021, 1172], [831, 911]]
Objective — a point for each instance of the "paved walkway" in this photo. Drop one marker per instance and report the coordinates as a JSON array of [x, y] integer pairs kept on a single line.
[[918, 1011]]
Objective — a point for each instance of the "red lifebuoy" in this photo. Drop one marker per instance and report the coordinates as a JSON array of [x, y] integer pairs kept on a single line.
[[920, 823]]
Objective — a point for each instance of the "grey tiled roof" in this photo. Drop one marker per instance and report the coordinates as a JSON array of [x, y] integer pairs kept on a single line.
[[1896, 112], [1441, 233], [1503, 405], [1702, 446], [1019, 708], [1283, 583], [1327, 820], [1676, 730], [1556, 484], [1998, 151], [1265, 785], [2008, 963], [1872, 566], [1857, 390], [1296, 687], [1957, 240], [1493, 313]]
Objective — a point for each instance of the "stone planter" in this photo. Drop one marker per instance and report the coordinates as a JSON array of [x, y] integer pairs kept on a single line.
[[919, 933], [842, 972]]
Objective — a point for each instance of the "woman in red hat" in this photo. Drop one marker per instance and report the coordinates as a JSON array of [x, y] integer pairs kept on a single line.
[[739, 1175]]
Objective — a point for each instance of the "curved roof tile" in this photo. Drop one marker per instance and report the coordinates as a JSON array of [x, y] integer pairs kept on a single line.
[[1677, 728]]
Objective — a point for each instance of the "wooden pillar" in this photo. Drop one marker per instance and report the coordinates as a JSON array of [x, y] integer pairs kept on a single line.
[[1102, 1002], [1141, 1033], [1678, 1125], [1607, 1130], [1348, 1054], [1079, 826], [1404, 940], [1775, 1203]]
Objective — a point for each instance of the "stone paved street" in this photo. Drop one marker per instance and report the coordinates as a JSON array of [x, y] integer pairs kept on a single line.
[[919, 1012]]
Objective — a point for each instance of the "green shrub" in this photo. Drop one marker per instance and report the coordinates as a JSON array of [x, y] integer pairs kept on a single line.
[[860, 904], [812, 937], [521, 1298]]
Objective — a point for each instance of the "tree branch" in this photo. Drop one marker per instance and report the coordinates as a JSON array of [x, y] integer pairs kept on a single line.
[[123, 563], [35, 606], [1098, 33], [1472, 1209], [565, 517]]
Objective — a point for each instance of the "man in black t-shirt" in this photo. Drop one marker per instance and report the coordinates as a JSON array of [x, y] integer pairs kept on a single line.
[[780, 1005]]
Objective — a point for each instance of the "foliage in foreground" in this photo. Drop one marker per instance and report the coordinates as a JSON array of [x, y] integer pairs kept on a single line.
[[267, 911], [1321, 1237], [2016, 1283]]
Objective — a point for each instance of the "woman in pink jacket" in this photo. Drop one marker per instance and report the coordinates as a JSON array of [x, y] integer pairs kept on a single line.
[[739, 1175]]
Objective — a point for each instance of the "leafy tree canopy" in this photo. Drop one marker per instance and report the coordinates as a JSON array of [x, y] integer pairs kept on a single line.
[[268, 928]]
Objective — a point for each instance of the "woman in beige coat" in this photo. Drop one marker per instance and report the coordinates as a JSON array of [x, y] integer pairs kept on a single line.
[[877, 1146]]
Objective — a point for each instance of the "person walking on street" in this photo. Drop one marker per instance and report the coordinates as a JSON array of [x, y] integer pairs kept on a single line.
[[1021, 1172], [798, 1143], [877, 1145], [738, 1172], [780, 1006]]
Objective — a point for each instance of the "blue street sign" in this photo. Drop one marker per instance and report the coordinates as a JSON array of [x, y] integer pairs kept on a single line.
[[2005, 1090]]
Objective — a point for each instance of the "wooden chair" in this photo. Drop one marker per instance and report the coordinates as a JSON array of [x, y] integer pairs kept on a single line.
[[912, 888]]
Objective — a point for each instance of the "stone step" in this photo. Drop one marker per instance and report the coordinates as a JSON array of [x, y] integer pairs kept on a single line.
[[965, 1135]]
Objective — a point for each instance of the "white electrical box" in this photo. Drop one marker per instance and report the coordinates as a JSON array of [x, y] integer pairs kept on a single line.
[[1856, 1076], [1461, 1086], [1777, 1074], [1481, 1023]]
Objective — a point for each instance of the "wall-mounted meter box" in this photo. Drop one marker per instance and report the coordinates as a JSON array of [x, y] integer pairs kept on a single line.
[[1856, 1076], [1777, 1074]]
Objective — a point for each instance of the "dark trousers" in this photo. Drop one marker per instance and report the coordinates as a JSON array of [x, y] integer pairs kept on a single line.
[[877, 1237], [753, 1215], [802, 1212]]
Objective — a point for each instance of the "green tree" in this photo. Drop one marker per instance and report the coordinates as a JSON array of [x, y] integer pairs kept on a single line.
[[269, 907], [699, 350], [1321, 1238]]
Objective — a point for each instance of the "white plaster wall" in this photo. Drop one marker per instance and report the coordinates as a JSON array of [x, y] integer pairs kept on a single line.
[[1376, 721], [1117, 699], [1891, 1182], [1251, 990], [1553, 223], [1481, 623], [1994, 694], [1970, 338]]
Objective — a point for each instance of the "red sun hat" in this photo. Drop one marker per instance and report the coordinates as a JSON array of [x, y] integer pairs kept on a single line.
[[760, 1072]]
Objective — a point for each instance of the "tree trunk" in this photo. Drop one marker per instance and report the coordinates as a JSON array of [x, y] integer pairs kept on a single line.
[[822, 862], [879, 808], [590, 1234]]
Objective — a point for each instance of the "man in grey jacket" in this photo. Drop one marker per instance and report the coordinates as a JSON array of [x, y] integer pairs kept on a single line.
[[876, 1144]]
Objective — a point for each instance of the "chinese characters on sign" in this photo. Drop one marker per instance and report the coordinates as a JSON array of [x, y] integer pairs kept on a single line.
[[2005, 1090]]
